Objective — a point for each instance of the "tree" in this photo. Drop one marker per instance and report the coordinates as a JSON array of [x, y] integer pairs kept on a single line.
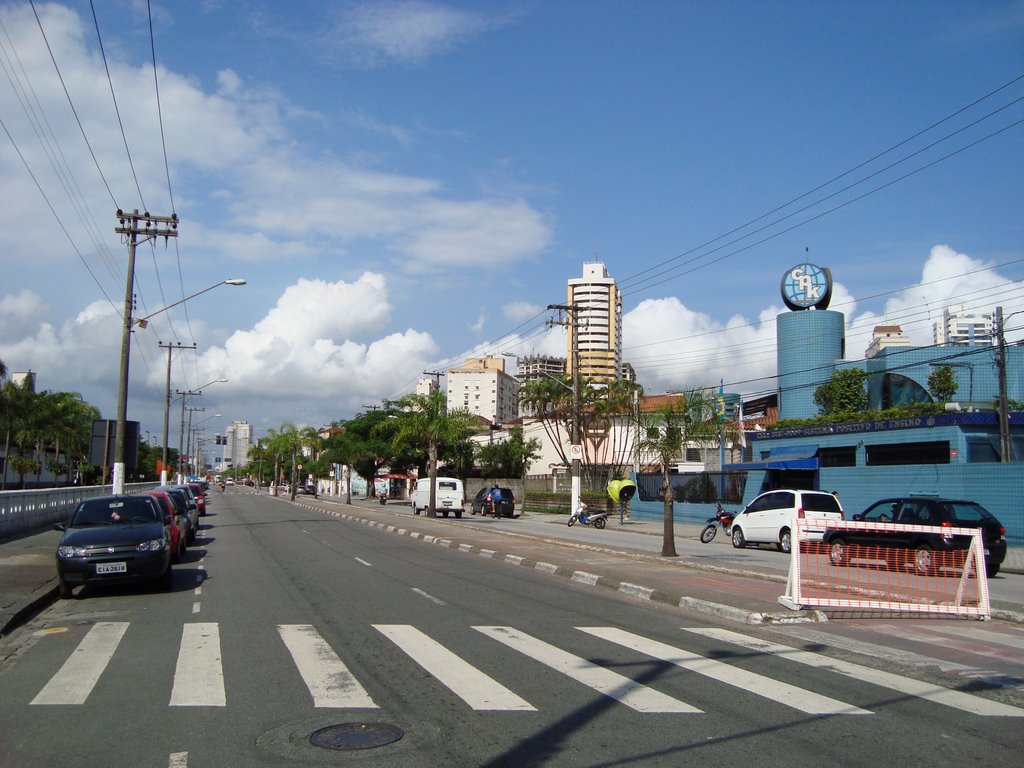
[[843, 393], [509, 458], [663, 435], [424, 421], [942, 384]]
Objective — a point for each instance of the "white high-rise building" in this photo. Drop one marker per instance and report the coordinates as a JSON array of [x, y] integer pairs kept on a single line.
[[482, 387], [598, 324], [962, 325], [238, 439]]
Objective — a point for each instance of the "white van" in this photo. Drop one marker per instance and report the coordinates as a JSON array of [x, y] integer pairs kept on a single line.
[[449, 496]]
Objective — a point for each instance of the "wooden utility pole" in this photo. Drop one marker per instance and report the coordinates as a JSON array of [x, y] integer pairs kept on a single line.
[[167, 406]]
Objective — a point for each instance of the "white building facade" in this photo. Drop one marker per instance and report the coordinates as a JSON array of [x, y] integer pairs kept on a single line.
[[962, 325], [238, 437], [483, 388]]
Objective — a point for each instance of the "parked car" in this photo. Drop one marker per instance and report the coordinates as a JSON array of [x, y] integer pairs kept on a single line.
[[115, 540], [768, 519], [928, 512], [500, 504], [200, 493], [184, 498], [449, 496], [179, 524]]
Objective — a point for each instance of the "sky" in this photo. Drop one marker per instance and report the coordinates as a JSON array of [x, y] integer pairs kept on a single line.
[[407, 184]]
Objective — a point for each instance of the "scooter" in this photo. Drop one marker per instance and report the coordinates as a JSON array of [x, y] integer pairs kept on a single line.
[[597, 519], [382, 498], [723, 518]]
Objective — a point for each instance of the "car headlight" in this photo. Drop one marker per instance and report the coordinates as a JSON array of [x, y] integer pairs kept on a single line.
[[153, 545], [65, 552]]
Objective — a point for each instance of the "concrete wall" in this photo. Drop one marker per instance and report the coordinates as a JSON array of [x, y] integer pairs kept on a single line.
[[24, 512]]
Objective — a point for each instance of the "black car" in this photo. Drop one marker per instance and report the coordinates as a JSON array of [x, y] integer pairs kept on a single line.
[[115, 540], [920, 511], [500, 504]]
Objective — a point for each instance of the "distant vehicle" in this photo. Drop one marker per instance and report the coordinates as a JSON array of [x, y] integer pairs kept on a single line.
[[115, 540], [933, 512], [484, 502], [183, 496], [200, 493], [449, 496], [768, 519]]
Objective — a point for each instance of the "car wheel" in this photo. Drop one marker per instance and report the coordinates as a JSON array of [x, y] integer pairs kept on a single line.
[[415, 509], [458, 514], [923, 559], [64, 590], [737, 538], [444, 514], [837, 553], [176, 556], [991, 570], [785, 541]]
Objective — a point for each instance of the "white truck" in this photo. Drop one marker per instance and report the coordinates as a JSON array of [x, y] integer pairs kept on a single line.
[[449, 496]]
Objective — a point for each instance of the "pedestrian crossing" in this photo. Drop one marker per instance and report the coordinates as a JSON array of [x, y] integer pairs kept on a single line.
[[199, 677]]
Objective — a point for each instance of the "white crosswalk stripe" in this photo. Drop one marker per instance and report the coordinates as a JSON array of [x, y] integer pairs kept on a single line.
[[327, 678], [783, 693], [479, 691], [199, 674], [75, 680], [905, 685], [623, 689]]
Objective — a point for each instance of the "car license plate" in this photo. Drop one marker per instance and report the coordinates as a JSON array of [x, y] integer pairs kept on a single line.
[[447, 502], [111, 567]]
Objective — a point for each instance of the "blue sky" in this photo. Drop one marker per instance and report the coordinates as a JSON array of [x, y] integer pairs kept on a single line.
[[403, 184]]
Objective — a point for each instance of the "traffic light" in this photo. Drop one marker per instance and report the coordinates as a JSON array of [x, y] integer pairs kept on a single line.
[[621, 490]]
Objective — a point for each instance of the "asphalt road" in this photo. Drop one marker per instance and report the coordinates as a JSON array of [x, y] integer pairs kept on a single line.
[[283, 621]]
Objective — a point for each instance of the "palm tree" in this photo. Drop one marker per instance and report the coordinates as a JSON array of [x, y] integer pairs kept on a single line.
[[424, 421], [663, 435]]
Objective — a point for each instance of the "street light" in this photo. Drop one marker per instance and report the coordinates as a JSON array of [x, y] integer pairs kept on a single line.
[[142, 322], [181, 437]]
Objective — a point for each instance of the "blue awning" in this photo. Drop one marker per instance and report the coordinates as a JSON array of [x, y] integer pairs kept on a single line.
[[784, 457]]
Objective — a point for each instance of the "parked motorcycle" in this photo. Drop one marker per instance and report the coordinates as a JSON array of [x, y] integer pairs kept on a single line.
[[597, 519], [723, 518]]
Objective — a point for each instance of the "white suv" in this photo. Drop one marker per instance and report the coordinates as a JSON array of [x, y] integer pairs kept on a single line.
[[768, 519]]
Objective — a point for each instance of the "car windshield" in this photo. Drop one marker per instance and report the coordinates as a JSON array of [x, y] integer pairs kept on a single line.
[[114, 511]]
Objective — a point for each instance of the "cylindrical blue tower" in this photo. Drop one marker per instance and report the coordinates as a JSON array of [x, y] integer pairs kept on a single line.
[[808, 345]]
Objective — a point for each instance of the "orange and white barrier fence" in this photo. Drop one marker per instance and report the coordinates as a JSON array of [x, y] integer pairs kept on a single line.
[[860, 566]]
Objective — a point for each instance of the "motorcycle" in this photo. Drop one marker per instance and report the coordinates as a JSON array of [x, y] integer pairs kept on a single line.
[[382, 498], [597, 519], [723, 518]]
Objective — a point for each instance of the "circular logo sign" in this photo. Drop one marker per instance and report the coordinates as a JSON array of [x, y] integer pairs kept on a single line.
[[807, 286]]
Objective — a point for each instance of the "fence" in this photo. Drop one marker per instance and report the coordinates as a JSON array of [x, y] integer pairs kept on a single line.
[[29, 511]]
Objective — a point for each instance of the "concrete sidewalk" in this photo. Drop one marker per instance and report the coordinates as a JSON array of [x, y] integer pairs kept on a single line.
[[714, 579]]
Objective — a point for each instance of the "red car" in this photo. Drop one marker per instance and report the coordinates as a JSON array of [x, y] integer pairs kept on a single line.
[[179, 524], [199, 490]]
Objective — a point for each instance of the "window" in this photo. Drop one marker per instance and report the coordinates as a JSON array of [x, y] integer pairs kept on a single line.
[[693, 454], [936, 452], [843, 456]]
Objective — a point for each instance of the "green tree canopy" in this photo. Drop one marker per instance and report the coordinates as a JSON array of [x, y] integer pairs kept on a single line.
[[844, 392], [942, 384]]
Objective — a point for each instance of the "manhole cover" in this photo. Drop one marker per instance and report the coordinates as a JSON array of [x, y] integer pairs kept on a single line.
[[355, 735]]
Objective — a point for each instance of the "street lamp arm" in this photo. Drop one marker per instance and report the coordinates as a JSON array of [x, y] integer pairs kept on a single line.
[[142, 322]]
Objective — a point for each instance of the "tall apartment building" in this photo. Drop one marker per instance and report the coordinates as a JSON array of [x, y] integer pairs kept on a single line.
[[539, 366], [598, 324], [962, 325], [239, 437], [482, 387]]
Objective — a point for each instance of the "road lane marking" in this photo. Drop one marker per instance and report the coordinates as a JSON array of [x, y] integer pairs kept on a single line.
[[80, 673], [178, 760], [905, 685], [430, 597], [199, 674], [783, 693], [325, 675], [195, 607], [467, 682], [360, 560], [612, 684]]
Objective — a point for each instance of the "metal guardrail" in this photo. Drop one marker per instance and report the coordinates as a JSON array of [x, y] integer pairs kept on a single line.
[[29, 511]]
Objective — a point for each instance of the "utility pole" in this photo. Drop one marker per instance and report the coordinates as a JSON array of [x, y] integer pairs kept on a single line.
[[437, 379], [1004, 416], [572, 324], [181, 435], [191, 410], [132, 226], [167, 406]]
